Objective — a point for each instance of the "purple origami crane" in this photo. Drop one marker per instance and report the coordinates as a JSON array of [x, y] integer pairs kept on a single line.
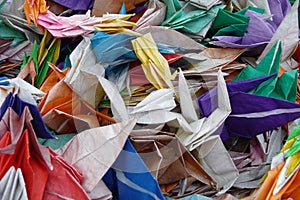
[[260, 30], [251, 114]]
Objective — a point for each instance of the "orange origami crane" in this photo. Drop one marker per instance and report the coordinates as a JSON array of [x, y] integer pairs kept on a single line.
[[34, 8]]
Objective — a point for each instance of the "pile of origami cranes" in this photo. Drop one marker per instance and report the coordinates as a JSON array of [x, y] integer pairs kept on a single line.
[[149, 99]]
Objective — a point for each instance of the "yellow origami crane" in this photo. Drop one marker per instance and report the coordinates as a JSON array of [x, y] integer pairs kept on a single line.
[[117, 23], [155, 66]]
